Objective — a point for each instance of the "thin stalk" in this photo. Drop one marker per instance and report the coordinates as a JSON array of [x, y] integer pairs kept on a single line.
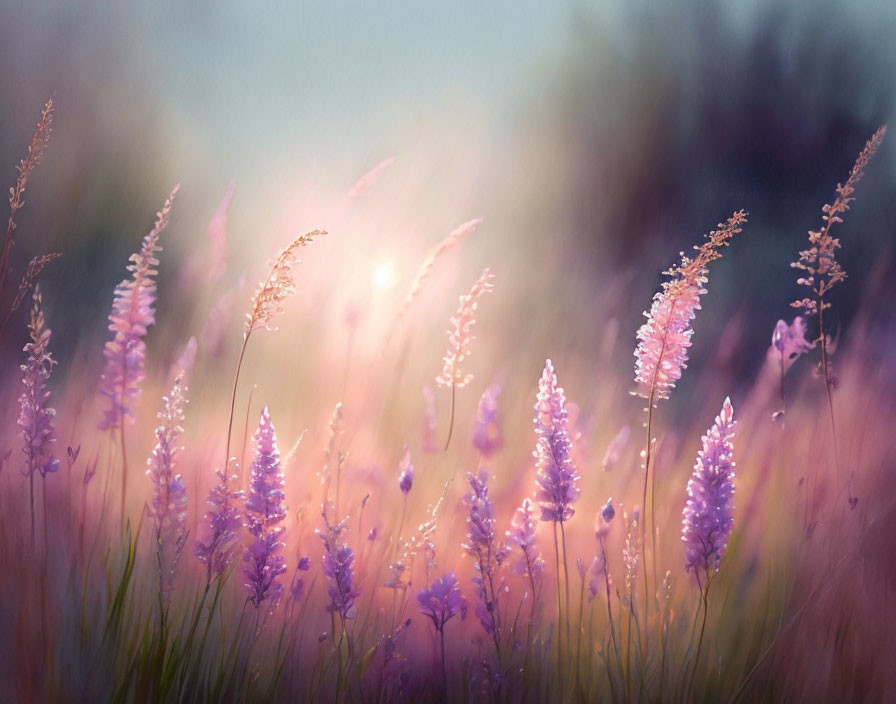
[[647, 452], [581, 630], [236, 378], [603, 549], [566, 585], [705, 592], [559, 610], [828, 385], [124, 472], [31, 477], [444, 669], [451, 418]]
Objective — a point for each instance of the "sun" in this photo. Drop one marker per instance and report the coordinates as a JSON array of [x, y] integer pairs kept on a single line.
[[382, 275]]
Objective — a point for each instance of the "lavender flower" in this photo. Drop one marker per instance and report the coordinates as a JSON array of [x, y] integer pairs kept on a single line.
[[338, 566], [442, 601], [406, 477], [223, 522], [482, 546], [36, 417], [487, 436], [132, 313], [707, 514], [264, 510], [169, 502], [557, 475], [522, 536]]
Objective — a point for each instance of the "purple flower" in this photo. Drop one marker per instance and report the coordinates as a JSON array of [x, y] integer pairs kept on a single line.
[[442, 601], [487, 436], [557, 475], [522, 536], [264, 510], [36, 417], [707, 514], [608, 513], [223, 522], [304, 564], [482, 546], [132, 314], [338, 567], [406, 477], [169, 502], [790, 342]]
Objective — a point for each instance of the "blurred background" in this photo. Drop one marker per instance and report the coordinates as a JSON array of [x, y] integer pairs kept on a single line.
[[597, 140]]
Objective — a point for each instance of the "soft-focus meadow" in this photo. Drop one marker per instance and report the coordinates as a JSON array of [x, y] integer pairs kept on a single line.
[[376, 447]]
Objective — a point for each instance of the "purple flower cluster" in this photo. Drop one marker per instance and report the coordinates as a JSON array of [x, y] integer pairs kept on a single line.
[[35, 417], [264, 510], [707, 513], [522, 536], [132, 314], [557, 475], [169, 502], [482, 546], [487, 435], [442, 601], [223, 524], [339, 569]]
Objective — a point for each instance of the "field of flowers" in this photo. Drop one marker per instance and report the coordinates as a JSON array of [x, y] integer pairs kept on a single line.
[[319, 495]]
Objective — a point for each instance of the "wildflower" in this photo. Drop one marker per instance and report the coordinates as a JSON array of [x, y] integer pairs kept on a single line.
[[790, 341], [663, 341], [277, 287], [35, 267], [169, 502], [819, 261], [442, 601], [132, 314], [460, 336], [304, 564], [707, 513], [530, 563], [487, 436], [406, 476], [363, 184], [39, 142], [264, 510], [481, 545], [608, 513], [35, 416], [631, 553], [451, 241], [338, 567], [409, 548], [223, 522], [606, 516], [557, 475]]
